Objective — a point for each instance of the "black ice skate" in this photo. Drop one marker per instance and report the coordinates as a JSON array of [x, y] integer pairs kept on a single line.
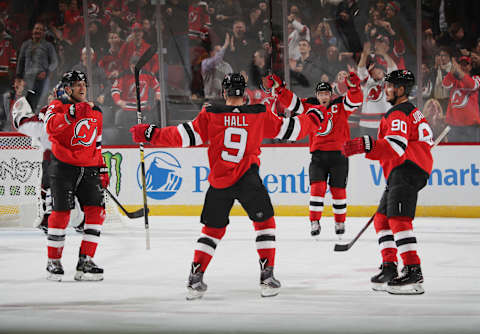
[[315, 228], [196, 287], [54, 270], [388, 271], [269, 285], [339, 228], [87, 270], [43, 225], [80, 227], [410, 283]]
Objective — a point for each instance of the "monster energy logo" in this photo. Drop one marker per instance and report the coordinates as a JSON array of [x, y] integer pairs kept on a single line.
[[114, 161]]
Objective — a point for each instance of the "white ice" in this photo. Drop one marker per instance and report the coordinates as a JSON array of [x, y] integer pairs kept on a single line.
[[323, 291]]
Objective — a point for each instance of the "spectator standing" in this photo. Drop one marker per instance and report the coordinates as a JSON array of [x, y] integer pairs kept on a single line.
[[296, 32], [124, 94], [136, 47], [214, 69], [241, 49], [8, 60], [37, 59], [463, 113], [305, 72], [375, 104], [111, 63], [443, 65]]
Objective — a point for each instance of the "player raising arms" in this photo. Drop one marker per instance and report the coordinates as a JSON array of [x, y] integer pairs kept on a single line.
[[77, 169], [403, 149], [234, 133], [328, 162]]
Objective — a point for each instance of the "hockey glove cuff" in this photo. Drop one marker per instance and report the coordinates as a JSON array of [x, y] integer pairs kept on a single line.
[[104, 177], [143, 132], [272, 82], [358, 145], [352, 81]]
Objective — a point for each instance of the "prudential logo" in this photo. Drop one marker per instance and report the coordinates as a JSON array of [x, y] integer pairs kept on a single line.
[[162, 177]]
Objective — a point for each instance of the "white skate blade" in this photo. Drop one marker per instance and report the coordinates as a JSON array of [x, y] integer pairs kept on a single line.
[[410, 289], [54, 277], [81, 276], [379, 286], [267, 291], [194, 294]]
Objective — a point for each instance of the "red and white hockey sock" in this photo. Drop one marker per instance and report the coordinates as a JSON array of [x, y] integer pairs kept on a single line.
[[206, 245], [317, 195], [339, 207], [265, 240], [94, 218], [385, 238], [405, 239], [57, 223]]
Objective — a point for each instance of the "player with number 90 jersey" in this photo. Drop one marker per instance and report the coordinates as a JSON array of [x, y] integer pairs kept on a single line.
[[235, 134], [404, 134]]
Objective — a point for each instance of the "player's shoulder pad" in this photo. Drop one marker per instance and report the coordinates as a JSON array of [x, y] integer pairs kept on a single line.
[[405, 107], [97, 108], [245, 109], [337, 100], [311, 100]]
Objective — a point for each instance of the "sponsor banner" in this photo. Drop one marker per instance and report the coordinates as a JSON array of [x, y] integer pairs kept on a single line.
[[178, 176]]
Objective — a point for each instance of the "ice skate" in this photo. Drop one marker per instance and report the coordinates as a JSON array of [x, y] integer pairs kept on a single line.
[[269, 285], [43, 224], [54, 270], [315, 228], [79, 228], [339, 229], [87, 270], [196, 287], [388, 271], [410, 283]]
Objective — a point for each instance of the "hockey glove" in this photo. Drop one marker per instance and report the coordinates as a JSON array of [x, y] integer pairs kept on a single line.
[[352, 81], [104, 177], [358, 145], [143, 132], [272, 82]]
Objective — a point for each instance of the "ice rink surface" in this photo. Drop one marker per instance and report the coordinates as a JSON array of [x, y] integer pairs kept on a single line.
[[323, 291]]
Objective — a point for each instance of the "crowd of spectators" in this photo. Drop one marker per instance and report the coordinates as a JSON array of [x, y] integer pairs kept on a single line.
[[204, 40]]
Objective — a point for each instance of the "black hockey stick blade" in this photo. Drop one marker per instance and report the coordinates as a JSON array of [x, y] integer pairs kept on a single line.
[[345, 247], [135, 214], [145, 58]]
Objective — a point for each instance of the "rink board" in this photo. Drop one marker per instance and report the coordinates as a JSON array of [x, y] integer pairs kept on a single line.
[[177, 181]]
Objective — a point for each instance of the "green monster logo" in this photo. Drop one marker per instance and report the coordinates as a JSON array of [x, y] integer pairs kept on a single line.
[[115, 161]]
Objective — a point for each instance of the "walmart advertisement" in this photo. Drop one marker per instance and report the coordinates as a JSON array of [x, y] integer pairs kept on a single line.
[[177, 179]]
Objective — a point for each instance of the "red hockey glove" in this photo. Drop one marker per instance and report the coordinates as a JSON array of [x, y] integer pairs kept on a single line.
[[104, 177], [143, 132], [272, 81], [358, 145], [352, 81]]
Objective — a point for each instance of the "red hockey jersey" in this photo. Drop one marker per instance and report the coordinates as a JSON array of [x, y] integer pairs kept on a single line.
[[337, 130], [198, 21], [234, 134], [124, 89], [8, 57], [463, 105], [404, 134], [76, 142]]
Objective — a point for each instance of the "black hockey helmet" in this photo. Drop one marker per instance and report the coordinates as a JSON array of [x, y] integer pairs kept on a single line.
[[323, 86], [403, 78], [234, 84], [73, 76]]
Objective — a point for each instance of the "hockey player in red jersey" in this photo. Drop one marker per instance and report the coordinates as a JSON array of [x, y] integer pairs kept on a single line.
[[234, 132], [403, 149], [328, 162], [77, 169]]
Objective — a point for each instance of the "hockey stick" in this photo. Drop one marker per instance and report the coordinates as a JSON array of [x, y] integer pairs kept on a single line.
[[135, 214], [141, 62], [345, 247]]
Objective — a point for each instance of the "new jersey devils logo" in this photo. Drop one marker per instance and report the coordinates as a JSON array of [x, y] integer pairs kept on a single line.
[[329, 127], [375, 93], [85, 132]]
